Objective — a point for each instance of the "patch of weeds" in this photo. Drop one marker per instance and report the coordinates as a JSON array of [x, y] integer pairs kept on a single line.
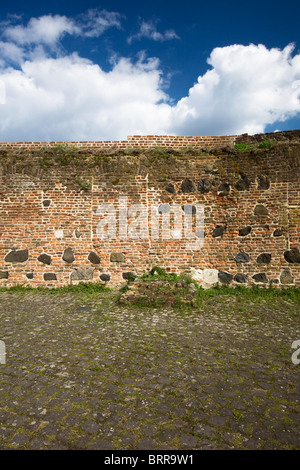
[[241, 147], [238, 416], [84, 185], [266, 144]]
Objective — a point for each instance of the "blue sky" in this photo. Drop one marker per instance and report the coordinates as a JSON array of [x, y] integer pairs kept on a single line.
[[104, 70]]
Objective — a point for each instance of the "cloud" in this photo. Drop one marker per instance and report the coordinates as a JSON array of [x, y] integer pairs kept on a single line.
[[64, 96], [148, 30], [247, 88], [46, 29], [93, 23], [71, 98]]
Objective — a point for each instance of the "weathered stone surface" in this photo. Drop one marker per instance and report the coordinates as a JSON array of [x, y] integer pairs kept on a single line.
[[129, 276], [243, 184], [29, 275], [218, 231], [50, 277], [44, 258], [170, 188], [224, 189], [242, 257], [77, 234], [240, 278], [204, 185], [292, 256], [225, 277], [260, 277], [264, 258], [117, 257], [46, 202], [210, 276], [263, 182], [245, 231], [207, 277], [3, 274], [85, 274], [17, 256], [105, 277], [94, 258], [163, 208], [286, 277], [187, 186], [189, 209], [260, 209], [68, 255], [277, 232]]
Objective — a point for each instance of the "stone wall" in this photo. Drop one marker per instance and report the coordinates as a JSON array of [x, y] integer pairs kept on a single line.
[[50, 197]]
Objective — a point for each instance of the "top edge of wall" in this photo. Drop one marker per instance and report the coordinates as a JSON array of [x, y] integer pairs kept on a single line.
[[146, 141]]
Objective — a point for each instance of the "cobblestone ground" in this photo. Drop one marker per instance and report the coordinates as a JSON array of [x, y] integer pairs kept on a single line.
[[84, 373]]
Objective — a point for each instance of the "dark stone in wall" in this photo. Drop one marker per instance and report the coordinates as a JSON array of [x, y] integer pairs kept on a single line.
[[278, 232], [77, 234], [105, 277], [170, 188], [241, 278], [117, 257], [68, 255], [82, 274], [292, 256], [264, 258], [29, 275], [46, 203], [187, 186], [224, 189], [245, 231], [43, 258], [242, 257], [189, 209], [163, 208], [225, 277], [286, 277], [129, 276], [260, 209], [94, 258], [260, 277], [3, 274], [17, 256], [243, 184], [263, 182], [50, 277], [218, 231], [204, 185]]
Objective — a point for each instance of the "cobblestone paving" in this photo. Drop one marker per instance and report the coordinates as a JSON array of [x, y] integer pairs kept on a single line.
[[84, 373]]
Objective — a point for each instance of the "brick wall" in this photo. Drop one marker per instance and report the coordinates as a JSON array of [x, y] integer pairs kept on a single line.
[[139, 141], [50, 203]]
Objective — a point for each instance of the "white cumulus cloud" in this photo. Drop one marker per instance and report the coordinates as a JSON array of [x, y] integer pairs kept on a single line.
[[67, 97]]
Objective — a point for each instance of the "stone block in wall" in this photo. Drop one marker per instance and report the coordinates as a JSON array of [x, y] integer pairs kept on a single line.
[[84, 274], [260, 210], [68, 255], [240, 278], [242, 257], [264, 258], [105, 277], [44, 258], [243, 232], [17, 256], [94, 258], [225, 277], [117, 257], [50, 277], [286, 277], [3, 274], [260, 277], [292, 256]]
